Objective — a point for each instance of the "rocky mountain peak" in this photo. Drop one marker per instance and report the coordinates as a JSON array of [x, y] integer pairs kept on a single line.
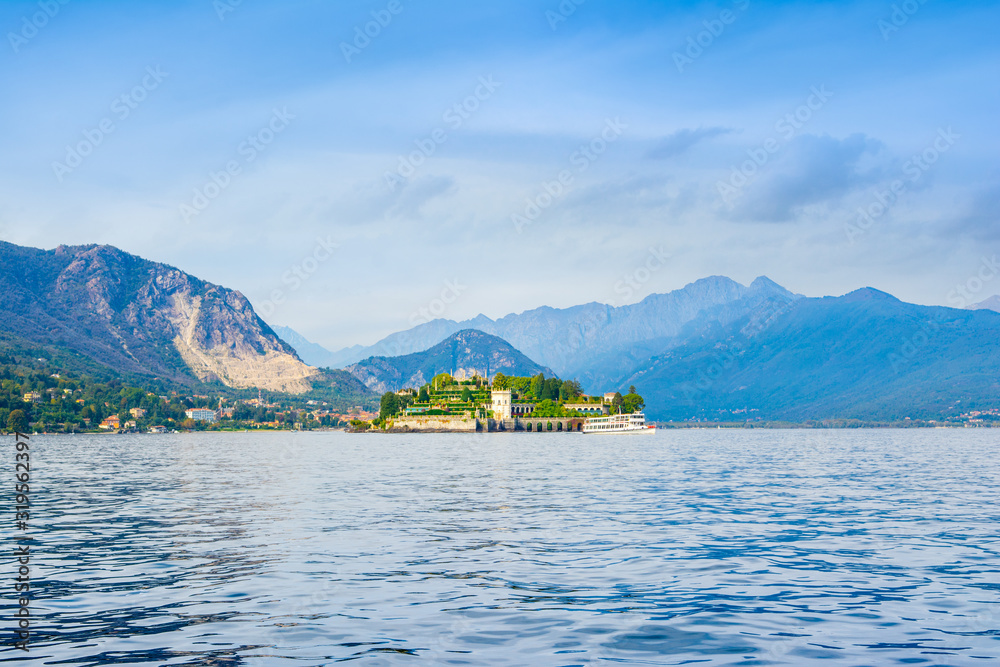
[[134, 315]]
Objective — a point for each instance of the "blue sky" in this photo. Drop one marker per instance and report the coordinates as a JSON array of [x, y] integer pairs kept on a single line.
[[739, 138]]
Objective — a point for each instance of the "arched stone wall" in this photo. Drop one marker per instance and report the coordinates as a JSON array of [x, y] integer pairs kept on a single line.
[[536, 425]]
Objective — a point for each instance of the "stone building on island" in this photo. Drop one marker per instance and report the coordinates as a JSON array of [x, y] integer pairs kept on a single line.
[[485, 408]]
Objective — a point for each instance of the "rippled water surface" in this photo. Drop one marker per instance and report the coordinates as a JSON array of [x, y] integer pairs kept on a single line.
[[688, 547]]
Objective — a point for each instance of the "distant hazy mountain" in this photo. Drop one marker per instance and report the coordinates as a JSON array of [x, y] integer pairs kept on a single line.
[[417, 339], [593, 341], [606, 364], [992, 303], [311, 353], [106, 308], [865, 355], [467, 350]]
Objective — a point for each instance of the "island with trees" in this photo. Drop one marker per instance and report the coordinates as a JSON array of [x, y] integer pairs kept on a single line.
[[505, 403]]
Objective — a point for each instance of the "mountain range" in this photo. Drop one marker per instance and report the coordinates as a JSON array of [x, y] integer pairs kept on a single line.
[[465, 352], [717, 349], [99, 308], [590, 342], [713, 349], [865, 355]]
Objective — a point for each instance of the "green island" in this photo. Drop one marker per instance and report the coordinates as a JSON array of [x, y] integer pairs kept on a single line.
[[506, 403]]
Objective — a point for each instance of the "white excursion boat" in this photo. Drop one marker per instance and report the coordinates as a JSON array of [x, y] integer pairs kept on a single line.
[[632, 423]]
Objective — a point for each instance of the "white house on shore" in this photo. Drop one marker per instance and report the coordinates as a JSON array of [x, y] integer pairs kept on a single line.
[[201, 414], [505, 408]]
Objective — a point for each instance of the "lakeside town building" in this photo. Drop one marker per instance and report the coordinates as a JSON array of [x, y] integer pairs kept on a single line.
[[201, 414]]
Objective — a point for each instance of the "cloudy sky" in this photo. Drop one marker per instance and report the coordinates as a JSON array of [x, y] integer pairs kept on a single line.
[[345, 164]]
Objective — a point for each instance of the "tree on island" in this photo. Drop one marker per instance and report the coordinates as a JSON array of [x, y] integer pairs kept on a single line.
[[466, 395], [632, 402], [549, 408], [17, 422], [569, 390], [423, 396], [616, 403], [442, 381], [537, 386], [501, 381], [550, 389], [390, 405]]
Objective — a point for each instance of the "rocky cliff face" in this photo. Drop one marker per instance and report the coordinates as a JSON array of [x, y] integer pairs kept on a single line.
[[138, 316]]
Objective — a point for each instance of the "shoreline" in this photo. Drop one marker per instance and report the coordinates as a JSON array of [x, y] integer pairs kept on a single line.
[[660, 426]]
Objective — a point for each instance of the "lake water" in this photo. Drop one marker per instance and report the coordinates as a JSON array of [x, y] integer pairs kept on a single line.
[[707, 547]]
